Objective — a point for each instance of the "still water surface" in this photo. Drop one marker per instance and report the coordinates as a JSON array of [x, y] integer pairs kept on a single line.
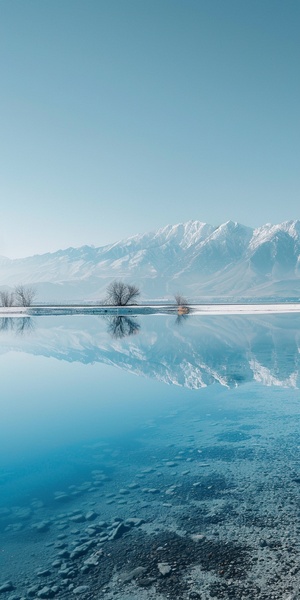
[[150, 457]]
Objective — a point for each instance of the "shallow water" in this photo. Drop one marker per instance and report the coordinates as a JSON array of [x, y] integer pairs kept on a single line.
[[184, 430]]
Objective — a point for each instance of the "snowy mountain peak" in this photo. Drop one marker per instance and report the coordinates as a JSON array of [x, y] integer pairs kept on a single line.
[[195, 258]]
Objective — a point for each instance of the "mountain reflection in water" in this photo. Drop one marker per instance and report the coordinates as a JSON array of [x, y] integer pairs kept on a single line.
[[229, 350]]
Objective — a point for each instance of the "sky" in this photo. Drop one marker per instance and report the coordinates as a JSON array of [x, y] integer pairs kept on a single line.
[[119, 117]]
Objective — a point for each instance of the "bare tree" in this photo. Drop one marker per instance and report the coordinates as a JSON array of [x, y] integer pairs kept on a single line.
[[119, 293], [182, 304], [7, 298], [24, 295], [180, 300]]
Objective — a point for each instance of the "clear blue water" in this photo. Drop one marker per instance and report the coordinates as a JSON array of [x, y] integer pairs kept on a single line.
[[188, 426]]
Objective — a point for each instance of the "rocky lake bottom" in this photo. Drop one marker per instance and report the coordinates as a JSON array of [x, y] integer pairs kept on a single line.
[[197, 501], [191, 507]]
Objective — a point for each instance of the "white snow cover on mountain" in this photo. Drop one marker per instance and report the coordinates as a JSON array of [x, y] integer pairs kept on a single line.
[[230, 261]]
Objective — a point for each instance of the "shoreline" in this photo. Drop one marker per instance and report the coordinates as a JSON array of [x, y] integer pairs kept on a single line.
[[146, 309]]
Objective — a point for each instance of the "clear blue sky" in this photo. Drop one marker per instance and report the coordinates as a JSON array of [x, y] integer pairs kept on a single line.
[[121, 116]]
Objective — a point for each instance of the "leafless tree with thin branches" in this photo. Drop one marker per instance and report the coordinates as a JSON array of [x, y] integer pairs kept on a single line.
[[24, 295], [7, 298], [180, 300], [119, 293]]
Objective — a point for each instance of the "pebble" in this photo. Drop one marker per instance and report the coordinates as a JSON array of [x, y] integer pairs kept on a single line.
[[129, 575], [119, 531], [79, 551], [61, 497], [197, 537], [80, 518], [164, 568], [91, 515], [46, 592], [44, 573], [81, 589]]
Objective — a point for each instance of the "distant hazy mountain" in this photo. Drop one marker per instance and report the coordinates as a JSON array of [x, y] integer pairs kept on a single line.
[[194, 258]]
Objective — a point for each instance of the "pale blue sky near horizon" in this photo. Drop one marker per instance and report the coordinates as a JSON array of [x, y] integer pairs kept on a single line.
[[120, 116]]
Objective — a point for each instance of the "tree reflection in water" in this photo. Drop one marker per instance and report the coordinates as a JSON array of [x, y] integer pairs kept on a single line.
[[20, 325], [121, 326], [181, 319]]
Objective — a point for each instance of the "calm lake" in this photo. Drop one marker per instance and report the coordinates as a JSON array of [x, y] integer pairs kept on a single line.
[[151, 457]]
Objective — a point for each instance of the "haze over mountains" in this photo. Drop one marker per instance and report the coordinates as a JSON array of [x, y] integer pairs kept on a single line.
[[196, 259]]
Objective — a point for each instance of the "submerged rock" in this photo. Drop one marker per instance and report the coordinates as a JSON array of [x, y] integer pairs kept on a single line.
[[81, 589], [44, 573], [80, 518], [41, 525], [46, 592], [119, 531], [164, 568], [91, 515], [7, 586], [129, 575]]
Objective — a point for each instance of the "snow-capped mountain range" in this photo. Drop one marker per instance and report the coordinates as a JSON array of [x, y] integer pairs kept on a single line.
[[196, 259]]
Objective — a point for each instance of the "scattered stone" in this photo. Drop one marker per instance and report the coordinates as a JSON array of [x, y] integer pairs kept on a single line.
[[32, 590], [41, 525], [37, 504], [61, 497], [134, 522], [197, 537], [81, 589], [79, 551], [146, 581], [119, 531], [93, 560], [7, 586], [44, 573], [91, 531], [80, 518], [129, 575], [91, 515], [60, 544], [102, 524], [14, 527], [164, 568], [64, 554], [46, 592], [23, 513], [170, 491]]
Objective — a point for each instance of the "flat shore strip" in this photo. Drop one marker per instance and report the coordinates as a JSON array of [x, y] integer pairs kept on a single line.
[[146, 309]]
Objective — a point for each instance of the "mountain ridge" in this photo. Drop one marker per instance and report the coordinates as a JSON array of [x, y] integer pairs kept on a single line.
[[196, 258]]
